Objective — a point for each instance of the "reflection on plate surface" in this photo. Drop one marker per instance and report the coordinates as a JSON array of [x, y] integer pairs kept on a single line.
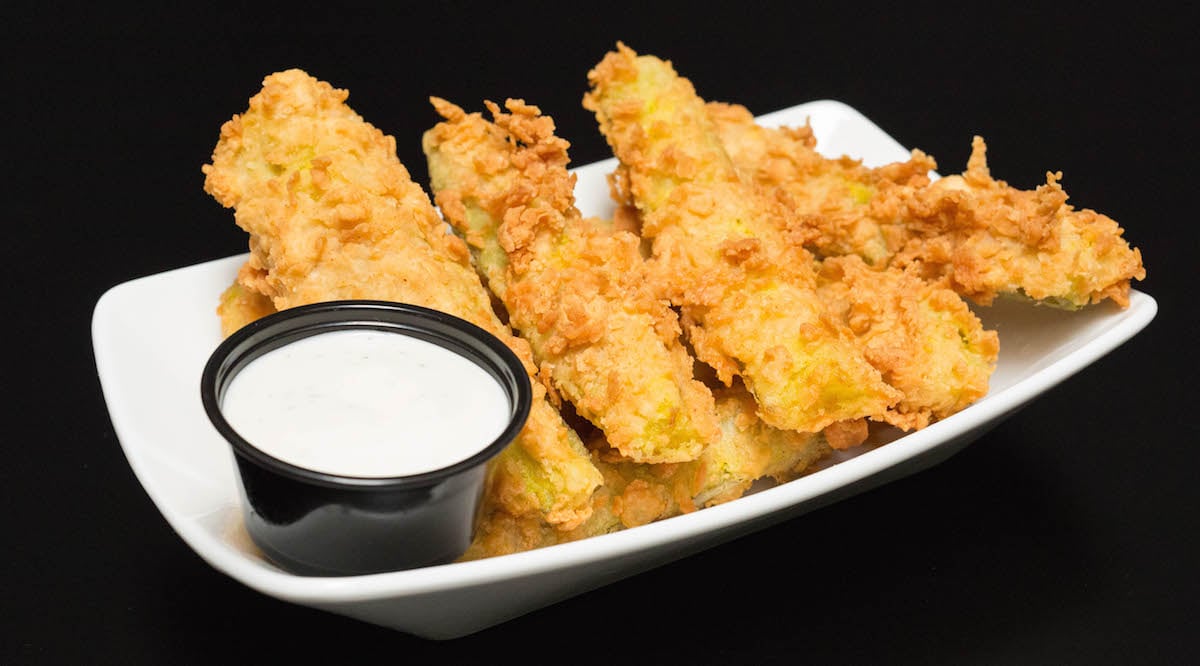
[[153, 335]]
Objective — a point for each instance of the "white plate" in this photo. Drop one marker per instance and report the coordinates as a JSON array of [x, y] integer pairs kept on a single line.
[[153, 335]]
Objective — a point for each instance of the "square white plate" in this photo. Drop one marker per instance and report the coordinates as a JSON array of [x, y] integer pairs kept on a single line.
[[153, 335]]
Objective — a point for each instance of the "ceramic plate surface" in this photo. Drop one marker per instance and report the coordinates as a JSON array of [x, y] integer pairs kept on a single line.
[[153, 335]]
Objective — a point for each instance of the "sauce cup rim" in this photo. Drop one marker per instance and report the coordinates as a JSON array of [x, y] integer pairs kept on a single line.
[[448, 331]]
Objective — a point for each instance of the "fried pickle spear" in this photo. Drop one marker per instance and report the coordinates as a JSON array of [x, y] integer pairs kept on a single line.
[[981, 236], [333, 214], [748, 296], [994, 239], [922, 337], [636, 494], [576, 292]]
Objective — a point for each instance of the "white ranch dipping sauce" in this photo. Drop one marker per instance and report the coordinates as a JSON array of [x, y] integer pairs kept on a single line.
[[366, 403]]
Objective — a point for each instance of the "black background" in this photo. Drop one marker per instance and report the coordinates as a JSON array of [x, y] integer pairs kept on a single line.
[[1066, 535]]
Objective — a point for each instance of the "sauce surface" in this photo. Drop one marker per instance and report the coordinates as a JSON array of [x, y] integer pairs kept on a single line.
[[366, 403]]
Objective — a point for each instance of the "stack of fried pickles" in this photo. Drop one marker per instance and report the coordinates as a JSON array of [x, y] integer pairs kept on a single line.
[[819, 296]]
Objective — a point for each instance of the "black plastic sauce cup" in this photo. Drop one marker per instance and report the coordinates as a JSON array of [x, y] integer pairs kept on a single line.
[[316, 523]]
